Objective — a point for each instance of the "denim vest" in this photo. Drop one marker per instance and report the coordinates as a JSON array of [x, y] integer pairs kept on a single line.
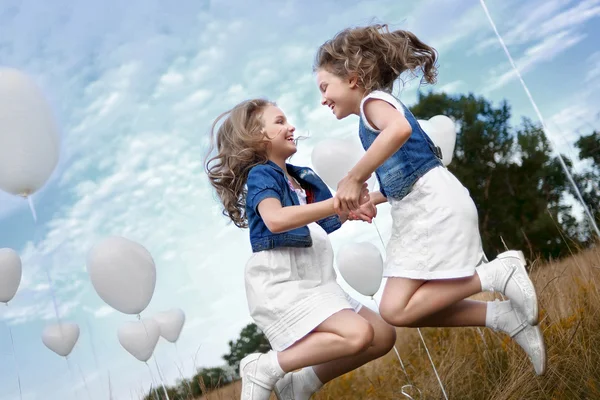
[[417, 155], [268, 180]]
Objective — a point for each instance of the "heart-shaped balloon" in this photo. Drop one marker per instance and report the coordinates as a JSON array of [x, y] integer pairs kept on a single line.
[[10, 274], [361, 265], [61, 338], [442, 131], [139, 338], [170, 323]]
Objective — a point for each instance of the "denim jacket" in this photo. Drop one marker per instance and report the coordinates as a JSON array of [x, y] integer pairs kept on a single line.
[[417, 155], [268, 180]]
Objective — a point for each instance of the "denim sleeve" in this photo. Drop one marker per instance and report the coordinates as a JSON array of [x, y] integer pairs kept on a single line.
[[262, 183]]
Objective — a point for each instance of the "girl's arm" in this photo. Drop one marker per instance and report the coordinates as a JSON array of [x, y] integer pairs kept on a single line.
[[280, 219], [395, 131], [377, 198]]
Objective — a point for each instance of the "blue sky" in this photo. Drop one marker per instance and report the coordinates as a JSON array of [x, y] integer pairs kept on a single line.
[[135, 87]]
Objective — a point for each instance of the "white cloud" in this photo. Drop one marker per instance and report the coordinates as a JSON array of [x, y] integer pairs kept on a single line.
[[546, 50], [593, 72], [523, 23], [136, 88], [451, 86]]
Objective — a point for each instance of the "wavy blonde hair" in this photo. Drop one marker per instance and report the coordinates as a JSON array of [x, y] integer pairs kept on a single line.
[[240, 143], [376, 56]]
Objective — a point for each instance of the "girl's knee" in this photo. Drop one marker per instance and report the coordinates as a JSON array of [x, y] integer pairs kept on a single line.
[[395, 315], [361, 337], [385, 338], [389, 338]]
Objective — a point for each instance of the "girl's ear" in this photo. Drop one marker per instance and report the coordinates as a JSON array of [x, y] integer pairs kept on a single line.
[[353, 81]]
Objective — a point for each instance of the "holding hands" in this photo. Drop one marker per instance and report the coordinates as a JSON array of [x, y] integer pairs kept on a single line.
[[352, 201]]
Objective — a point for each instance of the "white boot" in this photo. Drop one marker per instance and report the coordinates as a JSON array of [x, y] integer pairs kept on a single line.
[[259, 373], [507, 275], [299, 385], [501, 316]]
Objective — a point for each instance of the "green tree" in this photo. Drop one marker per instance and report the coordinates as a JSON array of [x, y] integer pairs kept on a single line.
[[251, 340], [588, 181], [515, 181], [208, 379]]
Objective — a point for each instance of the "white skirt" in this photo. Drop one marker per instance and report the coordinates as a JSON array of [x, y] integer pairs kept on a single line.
[[291, 290], [435, 232]]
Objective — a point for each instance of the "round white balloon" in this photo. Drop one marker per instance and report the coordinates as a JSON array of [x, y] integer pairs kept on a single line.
[[442, 132], [334, 158], [123, 274], [139, 338], [61, 338], [361, 266], [171, 323], [11, 271], [29, 139]]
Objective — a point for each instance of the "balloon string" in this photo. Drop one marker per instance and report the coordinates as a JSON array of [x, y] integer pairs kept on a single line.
[[71, 373], [85, 385], [32, 208], [36, 237], [422, 340], [410, 385], [153, 385], [95, 354], [182, 367], [12, 341], [162, 378], [110, 393]]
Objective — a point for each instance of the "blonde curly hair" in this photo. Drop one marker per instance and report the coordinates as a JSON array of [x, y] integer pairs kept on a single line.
[[376, 56], [240, 144]]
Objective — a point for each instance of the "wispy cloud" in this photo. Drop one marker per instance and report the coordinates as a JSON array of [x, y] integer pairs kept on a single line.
[[593, 72], [539, 53], [524, 23], [136, 88], [535, 33]]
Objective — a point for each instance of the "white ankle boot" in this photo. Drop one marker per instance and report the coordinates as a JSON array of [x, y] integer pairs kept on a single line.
[[299, 385], [507, 275], [259, 376], [503, 317]]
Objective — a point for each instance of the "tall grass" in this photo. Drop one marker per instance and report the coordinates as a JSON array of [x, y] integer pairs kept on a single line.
[[481, 364]]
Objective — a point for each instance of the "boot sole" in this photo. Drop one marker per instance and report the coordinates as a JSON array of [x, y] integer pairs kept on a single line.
[[544, 360]]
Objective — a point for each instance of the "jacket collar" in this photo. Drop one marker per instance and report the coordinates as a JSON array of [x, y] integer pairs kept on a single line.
[[291, 169]]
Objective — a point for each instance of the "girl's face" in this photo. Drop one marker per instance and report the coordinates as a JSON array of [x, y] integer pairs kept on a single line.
[[279, 132], [341, 95]]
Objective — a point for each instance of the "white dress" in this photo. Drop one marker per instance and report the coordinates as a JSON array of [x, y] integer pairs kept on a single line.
[[435, 231], [291, 291]]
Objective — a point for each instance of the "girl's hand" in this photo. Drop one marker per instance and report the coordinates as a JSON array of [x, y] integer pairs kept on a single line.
[[350, 195], [366, 212]]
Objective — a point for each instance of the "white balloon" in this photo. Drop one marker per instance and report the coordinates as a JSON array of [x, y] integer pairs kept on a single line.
[[139, 338], [334, 158], [11, 271], [442, 131], [61, 338], [170, 323], [361, 266], [123, 274], [29, 140]]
